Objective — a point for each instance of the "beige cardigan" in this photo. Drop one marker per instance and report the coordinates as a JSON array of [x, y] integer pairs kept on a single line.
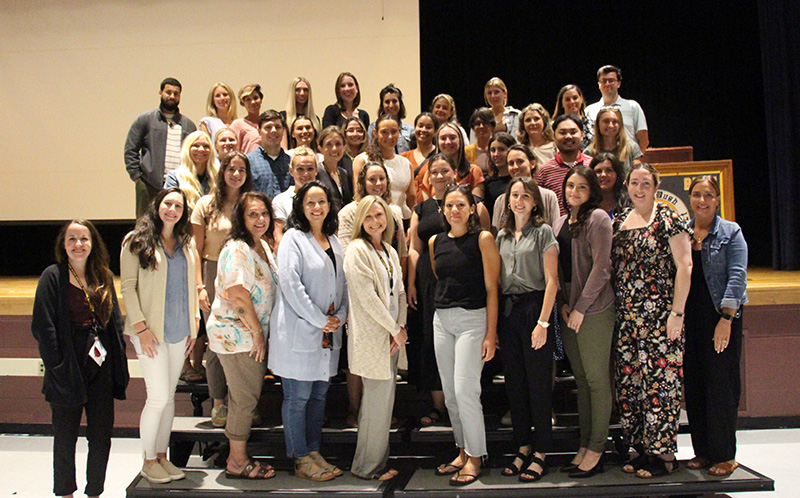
[[144, 291], [369, 321]]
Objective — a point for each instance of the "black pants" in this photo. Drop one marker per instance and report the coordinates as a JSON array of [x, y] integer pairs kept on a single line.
[[528, 371], [99, 424], [712, 387]]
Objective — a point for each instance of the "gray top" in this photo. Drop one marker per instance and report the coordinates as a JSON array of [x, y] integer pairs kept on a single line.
[[176, 305], [522, 268]]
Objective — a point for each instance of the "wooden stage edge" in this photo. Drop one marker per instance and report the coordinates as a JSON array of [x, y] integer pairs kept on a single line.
[[765, 287]]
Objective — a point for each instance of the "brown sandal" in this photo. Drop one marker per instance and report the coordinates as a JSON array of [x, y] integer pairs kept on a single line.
[[263, 471], [698, 463], [328, 467], [307, 468], [723, 469]]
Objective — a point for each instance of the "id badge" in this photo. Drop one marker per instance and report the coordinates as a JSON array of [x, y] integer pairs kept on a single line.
[[97, 352]]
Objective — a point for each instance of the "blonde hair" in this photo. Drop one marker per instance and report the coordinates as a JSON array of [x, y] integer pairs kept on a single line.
[[622, 150], [187, 173], [496, 82], [362, 209], [211, 110], [547, 129], [291, 104], [451, 101], [303, 151]]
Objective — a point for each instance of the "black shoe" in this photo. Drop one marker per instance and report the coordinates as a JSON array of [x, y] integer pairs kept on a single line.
[[568, 467], [578, 473]]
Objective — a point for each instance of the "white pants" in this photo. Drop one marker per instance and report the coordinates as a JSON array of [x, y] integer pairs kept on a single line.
[[161, 374], [458, 336]]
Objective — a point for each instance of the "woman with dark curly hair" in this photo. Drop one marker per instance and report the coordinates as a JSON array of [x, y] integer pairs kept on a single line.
[[76, 317], [245, 292], [306, 325], [157, 268], [611, 176]]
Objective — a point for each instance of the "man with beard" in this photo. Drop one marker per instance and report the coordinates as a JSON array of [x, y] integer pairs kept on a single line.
[[153, 147], [568, 136]]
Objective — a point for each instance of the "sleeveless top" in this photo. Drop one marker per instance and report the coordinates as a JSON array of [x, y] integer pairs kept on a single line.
[[459, 266]]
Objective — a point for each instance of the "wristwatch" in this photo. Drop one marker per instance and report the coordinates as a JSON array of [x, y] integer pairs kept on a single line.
[[726, 316]]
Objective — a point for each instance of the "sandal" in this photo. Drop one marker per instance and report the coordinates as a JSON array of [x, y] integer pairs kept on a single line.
[[447, 469], [307, 468], [723, 469], [434, 417], [512, 470], [633, 465], [698, 463], [658, 467], [530, 475], [470, 478], [191, 376], [385, 474], [262, 471], [322, 463]]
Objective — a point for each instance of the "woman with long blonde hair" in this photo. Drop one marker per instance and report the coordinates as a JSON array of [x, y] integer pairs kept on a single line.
[[220, 107], [197, 175], [610, 136]]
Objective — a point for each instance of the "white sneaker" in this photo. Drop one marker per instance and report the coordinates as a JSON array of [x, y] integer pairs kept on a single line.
[[155, 474], [219, 416], [174, 472]]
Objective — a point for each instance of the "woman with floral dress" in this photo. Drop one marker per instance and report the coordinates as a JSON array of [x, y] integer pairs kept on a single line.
[[652, 259]]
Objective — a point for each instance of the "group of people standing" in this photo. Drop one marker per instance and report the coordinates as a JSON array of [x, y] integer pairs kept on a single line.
[[454, 250]]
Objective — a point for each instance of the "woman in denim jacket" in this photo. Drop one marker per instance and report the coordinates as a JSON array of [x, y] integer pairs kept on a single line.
[[714, 331]]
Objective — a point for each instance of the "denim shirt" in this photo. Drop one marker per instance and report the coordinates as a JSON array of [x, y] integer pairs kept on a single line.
[[724, 254]]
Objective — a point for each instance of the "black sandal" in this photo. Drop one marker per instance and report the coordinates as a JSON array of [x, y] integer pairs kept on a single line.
[[434, 418], [512, 470], [658, 467], [530, 475], [633, 465]]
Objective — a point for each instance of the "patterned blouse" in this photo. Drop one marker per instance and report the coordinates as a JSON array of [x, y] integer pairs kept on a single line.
[[240, 264]]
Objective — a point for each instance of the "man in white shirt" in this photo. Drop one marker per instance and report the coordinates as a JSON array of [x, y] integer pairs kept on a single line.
[[609, 79]]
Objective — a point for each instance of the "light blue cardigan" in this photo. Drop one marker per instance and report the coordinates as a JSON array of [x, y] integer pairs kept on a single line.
[[307, 286]]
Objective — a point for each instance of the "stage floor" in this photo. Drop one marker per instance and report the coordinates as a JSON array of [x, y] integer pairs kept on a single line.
[[764, 287]]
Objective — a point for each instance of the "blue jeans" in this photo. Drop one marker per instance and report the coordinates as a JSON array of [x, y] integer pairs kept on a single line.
[[303, 410]]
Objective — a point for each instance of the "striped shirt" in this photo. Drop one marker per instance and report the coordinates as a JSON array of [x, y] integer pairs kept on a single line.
[[172, 159], [552, 173]]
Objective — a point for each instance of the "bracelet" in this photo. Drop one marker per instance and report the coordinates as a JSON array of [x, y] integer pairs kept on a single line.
[[143, 330], [543, 323], [676, 314], [201, 287]]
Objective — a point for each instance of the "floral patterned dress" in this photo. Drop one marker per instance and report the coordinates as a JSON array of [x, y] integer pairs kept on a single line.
[[648, 366]]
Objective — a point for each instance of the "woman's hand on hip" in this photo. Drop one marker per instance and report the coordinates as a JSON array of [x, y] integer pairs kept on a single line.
[[189, 346], [148, 343]]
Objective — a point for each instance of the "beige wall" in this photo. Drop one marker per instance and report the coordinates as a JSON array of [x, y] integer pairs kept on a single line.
[[76, 74]]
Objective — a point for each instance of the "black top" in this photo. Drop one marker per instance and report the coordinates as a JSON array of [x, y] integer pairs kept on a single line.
[[430, 221], [699, 300], [459, 266], [564, 239], [329, 252], [494, 187], [333, 116], [340, 197]]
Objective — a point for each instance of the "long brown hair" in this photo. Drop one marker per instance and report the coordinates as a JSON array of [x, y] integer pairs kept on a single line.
[[99, 279], [145, 238]]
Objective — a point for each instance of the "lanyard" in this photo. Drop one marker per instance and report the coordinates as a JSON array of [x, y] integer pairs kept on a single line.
[[389, 269], [88, 299]]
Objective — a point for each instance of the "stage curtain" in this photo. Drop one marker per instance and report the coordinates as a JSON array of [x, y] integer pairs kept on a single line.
[[780, 55]]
